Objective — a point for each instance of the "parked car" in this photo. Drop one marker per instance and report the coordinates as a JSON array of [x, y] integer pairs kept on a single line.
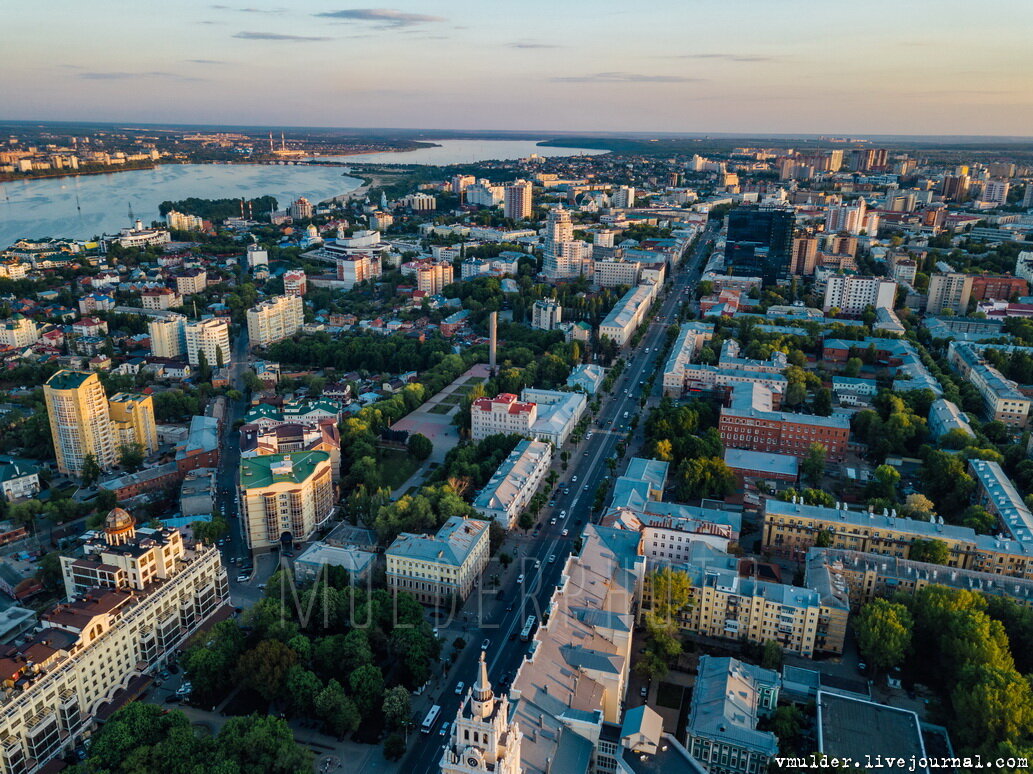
[[459, 689], [485, 644], [520, 578], [563, 513], [537, 563], [242, 578], [552, 558], [643, 691]]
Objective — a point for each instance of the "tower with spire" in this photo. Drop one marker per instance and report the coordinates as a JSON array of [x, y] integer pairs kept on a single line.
[[483, 740]]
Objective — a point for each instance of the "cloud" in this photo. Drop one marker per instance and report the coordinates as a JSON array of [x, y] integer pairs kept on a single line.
[[729, 57], [206, 61], [532, 45], [279, 36], [382, 17], [248, 10], [624, 78], [123, 76]]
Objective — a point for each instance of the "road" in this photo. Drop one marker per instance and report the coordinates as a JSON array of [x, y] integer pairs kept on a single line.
[[500, 621]]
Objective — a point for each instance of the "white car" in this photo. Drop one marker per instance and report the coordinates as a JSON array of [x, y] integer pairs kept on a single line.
[[485, 644], [537, 563], [242, 578], [459, 689], [563, 513], [520, 578], [566, 532], [573, 479], [552, 558]]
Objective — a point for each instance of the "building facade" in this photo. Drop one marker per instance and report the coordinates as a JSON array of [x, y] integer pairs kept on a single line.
[[275, 319], [79, 421], [441, 567], [132, 419], [168, 336], [285, 497], [210, 336], [514, 483]]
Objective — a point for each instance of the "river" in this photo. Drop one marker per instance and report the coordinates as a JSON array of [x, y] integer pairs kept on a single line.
[[48, 207]]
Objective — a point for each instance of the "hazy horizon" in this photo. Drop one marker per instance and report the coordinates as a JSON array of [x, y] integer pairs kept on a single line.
[[788, 68]]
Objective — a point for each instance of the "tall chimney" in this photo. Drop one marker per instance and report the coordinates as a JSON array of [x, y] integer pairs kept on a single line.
[[493, 340]]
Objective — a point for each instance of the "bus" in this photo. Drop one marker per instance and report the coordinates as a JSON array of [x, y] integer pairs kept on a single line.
[[528, 630], [431, 719]]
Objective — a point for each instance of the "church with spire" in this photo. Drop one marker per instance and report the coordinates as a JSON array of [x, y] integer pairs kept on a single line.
[[484, 740]]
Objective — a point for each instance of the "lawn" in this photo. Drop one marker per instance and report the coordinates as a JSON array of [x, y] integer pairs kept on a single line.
[[441, 408], [396, 467]]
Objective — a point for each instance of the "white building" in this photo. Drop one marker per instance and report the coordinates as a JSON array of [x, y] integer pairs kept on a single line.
[[257, 256], [353, 269], [557, 413], [514, 483], [295, 282], [211, 336], [502, 414], [168, 336], [624, 197], [18, 332], [852, 294], [275, 319], [628, 313], [419, 202], [181, 221], [138, 236], [691, 338], [546, 315], [484, 194]]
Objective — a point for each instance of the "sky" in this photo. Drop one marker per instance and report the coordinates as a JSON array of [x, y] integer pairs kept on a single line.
[[742, 66]]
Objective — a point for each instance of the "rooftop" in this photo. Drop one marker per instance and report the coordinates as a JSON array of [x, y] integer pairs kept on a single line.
[[270, 469], [452, 544], [853, 728]]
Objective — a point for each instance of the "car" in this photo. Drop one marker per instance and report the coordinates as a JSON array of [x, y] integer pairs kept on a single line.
[[537, 563], [509, 608], [862, 667], [459, 689], [552, 558], [552, 503], [643, 691], [588, 437], [261, 586], [173, 699], [585, 454], [520, 578], [445, 729], [485, 644], [573, 479], [552, 520], [586, 487], [565, 532], [563, 513], [242, 578]]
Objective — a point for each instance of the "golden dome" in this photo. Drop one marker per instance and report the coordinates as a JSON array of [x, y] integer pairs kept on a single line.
[[118, 520]]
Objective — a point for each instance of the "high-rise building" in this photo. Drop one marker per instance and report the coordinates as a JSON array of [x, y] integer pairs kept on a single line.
[[850, 219], [484, 194], [805, 255], [564, 258], [419, 202], [432, 276], [79, 421], [624, 197], [835, 160], [949, 291], [955, 187], [483, 737], [361, 267], [18, 332], [1027, 198], [181, 221], [295, 282], [995, 191], [275, 319], [759, 242], [211, 336], [135, 597], [191, 281], [461, 182], [257, 256], [132, 420], [301, 209], [516, 203], [168, 336], [852, 294], [285, 497]]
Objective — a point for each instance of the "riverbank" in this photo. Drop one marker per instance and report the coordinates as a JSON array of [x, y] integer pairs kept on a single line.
[[5, 178]]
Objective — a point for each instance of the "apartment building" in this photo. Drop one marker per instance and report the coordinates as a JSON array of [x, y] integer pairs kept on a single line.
[[996, 492], [282, 437], [275, 319], [132, 420], [614, 272], [18, 479], [852, 294], [750, 422], [1000, 287], [191, 281], [440, 567], [546, 315], [949, 290], [1003, 400], [502, 414], [484, 194], [628, 314], [210, 336], [728, 702], [18, 332], [433, 276], [284, 498], [160, 299], [134, 597], [295, 283], [514, 483], [79, 421], [945, 416], [353, 269], [691, 338], [868, 576], [168, 336], [557, 412], [516, 201]]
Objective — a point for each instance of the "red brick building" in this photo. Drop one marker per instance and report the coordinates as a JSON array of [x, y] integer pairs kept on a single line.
[[750, 423], [1002, 287]]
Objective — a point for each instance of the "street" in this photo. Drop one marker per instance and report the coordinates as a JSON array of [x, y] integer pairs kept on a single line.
[[587, 470]]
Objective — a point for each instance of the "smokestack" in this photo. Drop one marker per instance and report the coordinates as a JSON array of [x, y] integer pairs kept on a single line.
[[493, 339]]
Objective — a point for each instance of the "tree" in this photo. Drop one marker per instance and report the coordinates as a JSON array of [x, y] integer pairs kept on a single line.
[[263, 743], [394, 746], [852, 368], [813, 465], [301, 688], [264, 668], [90, 470], [210, 531], [131, 456], [884, 483], [705, 477], [49, 572], [824, 538], [419, 446], [396, 706], [918, 506], [884, 633], [932, 551], [338, 711], [771, 655], [671, 592], [367, 686], [204, 371], [526, 521]]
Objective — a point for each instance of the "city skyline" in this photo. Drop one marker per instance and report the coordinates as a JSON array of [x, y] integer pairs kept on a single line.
[[782, 68]]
